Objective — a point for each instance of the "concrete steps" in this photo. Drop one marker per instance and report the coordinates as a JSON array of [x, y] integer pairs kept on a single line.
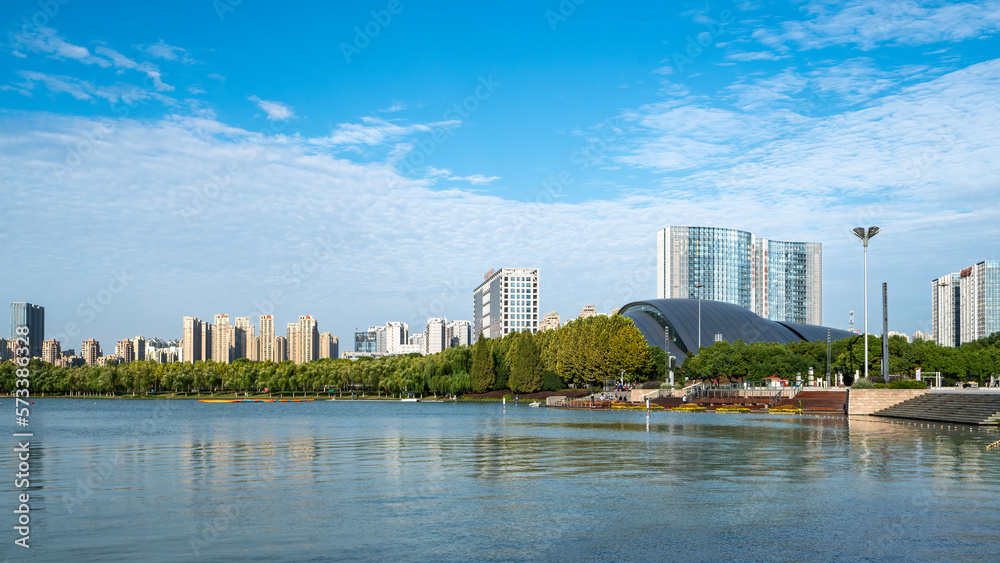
[[963, 408]]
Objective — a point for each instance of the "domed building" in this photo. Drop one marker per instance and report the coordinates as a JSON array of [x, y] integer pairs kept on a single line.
[[672, 324]]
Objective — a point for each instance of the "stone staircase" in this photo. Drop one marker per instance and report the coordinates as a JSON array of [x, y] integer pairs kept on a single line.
[[962, 408], [817, 401]]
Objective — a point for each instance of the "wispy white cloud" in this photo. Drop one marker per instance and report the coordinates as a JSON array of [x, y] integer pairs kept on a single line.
[[274, 110], [122, 62], [376, 131], [161, 50], [47, 41], [754, 56], [475, 179], [870, 23]]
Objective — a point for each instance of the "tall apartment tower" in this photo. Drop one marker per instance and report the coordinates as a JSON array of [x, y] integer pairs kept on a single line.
[[222, 343], [292, 341], [266, 351], [33, 317], [309, 339], [206, 341], [51, 351], [588, 311], [280, 349], [778, 280], [242, 336], [329, 346], [91, 351], [139, 344], [965, 306], [458, 333], [191, 340], [125, 350], [506, 301]]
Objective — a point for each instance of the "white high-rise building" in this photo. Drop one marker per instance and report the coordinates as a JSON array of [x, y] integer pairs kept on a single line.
[[965, 306], [458, 333], [435, 335], [396, 336], [946, 309], [505, 302]]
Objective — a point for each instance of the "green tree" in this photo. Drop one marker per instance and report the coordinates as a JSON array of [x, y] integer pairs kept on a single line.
[[483, 372], [526, 369]]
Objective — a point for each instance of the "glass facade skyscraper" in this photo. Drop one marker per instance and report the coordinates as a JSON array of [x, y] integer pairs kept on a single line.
[[778, 280], [33, 317]]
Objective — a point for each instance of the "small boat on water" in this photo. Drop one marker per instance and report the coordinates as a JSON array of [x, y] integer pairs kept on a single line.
[[534, 404], [410, 400]]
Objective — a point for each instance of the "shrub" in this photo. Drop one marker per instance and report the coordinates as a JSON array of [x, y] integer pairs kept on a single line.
[[907, 384], [651, 385], [862, 383]]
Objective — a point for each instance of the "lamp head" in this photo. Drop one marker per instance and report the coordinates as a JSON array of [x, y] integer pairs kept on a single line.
[[872, 231], [860, 232]]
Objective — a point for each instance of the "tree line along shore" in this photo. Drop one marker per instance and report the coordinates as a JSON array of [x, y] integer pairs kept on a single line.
[[582, 354]]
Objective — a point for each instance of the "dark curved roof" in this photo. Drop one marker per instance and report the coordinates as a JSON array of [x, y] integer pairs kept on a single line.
[[655, 317]]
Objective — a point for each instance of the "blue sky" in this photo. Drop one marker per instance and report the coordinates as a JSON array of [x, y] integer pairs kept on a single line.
[[369, 161]]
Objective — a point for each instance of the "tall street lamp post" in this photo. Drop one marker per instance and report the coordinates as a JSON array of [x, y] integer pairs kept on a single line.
[[698, 286], [866, 236]]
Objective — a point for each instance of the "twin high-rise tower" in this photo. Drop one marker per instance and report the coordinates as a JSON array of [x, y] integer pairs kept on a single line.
[[778, 280]]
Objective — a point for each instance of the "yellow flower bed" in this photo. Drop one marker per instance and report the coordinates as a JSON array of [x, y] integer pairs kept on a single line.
[[732, 409], [691, 408], [786, 411]]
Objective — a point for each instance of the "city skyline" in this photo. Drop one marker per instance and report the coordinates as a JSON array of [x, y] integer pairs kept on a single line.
[[166, 162]]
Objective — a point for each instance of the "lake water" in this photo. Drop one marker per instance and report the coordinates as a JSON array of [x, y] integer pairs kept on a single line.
[[150, 481]]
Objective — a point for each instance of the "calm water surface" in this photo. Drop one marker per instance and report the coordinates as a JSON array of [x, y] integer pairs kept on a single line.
[[158, 481]]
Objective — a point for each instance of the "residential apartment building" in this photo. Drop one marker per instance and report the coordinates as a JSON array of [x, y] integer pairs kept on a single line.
[[550, 321], [303, 340], [587, 311], [506, 301], [125, 351], [51, 351], [266, 351], [91, 352], [435, 336], [222, 340], [778, 280], [191, 340], [458, 333], [329, 345]]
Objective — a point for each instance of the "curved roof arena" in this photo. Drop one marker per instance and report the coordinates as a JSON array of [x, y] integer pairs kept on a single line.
[[655, 317]]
